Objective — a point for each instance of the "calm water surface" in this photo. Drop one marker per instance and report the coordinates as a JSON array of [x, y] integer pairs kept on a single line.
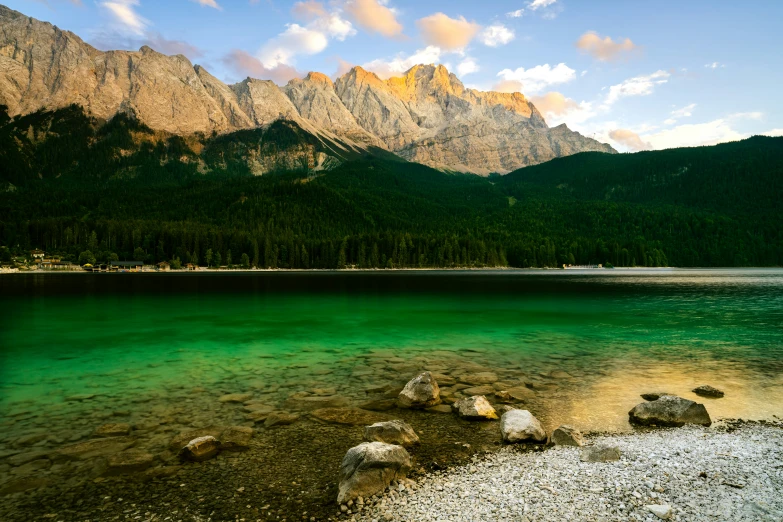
[[124, 337]]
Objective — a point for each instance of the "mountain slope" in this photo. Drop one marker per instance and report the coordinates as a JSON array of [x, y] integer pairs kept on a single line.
[[426, 116]]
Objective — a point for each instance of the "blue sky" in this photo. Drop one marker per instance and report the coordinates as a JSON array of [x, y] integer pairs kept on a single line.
[[637, 74]]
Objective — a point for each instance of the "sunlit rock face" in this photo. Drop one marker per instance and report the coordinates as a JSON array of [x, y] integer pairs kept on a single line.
[[427, 115]]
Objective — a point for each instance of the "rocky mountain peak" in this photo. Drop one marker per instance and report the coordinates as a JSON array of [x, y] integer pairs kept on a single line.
[[424, 115]]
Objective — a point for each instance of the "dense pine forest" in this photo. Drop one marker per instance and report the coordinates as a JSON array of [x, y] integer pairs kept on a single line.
[[93, 191]]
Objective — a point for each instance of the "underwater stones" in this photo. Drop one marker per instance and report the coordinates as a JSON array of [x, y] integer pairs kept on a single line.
[[235, 397], [184, 437], [391, 432], [653, 396], [560, 374], [369, 468], [349, 416], [479, 390], [30, 440], [443, 379], [32, 467], [80, 397], [567, 436], [476, 407], [520, 393], [258, 416], [255, 407], [112, 430], [302, 402], [23, 458], [479, 378], [131, 461], [669, 410], [236, 438], [599, 453], [23, 484], [421, 392], [708, 391], [379, 405], [200, 449], [440, 408], [280, 418], [103, 447], [521, 426]]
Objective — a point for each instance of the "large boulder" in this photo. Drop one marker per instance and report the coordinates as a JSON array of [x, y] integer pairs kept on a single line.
[[475, 408], [421, 392], [669, 410], [391, 432], [369, 468], [567, 436], [521, 426], [200, 449]]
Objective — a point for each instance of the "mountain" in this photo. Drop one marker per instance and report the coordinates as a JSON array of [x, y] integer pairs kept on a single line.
[[426, 116], [70, 184]]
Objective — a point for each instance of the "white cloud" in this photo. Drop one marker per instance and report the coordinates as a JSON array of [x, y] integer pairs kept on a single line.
[[308, 39], [629, 140], [755, 115], [694, 135], [516, 14], [388, 68], [604, 49], [538, 4], [636, 86], [209, 3], [125, 16], [538, 78], [467, 66], [375, 16], [293, 41], [714, 65], [684, 112], [773, 133], [447, 33], [496, 35], [669, 121], [558, 109]]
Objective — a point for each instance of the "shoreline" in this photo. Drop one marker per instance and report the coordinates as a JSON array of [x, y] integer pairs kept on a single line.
[[729, 471]]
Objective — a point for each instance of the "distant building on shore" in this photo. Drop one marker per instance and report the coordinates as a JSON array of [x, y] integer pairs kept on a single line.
[[134, 266]]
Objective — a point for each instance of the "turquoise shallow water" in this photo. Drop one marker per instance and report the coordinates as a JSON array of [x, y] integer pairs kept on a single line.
[[132, 335]]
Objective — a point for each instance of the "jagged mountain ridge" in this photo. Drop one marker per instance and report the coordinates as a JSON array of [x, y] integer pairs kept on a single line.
[[426, 116]]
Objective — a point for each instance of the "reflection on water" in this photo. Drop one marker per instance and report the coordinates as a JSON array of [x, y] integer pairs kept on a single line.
[[80, 350]]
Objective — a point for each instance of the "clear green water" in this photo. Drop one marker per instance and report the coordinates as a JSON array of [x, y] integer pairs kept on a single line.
[[139, 342]]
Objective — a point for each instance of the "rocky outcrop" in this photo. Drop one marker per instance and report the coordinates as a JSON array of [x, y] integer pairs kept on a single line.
[[475, 408], [391, 432], [427, 115], [369, 468], [567, 436], [421, 392], [521, 426], [669, 410]]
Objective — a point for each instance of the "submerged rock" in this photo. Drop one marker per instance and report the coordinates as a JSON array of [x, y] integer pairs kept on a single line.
[[567, 436], [369, 468], [94, 448], [477, 379], [129, 462], [669, 410], [180, 440], [475, 408], [521, 426], [350, 416], [379, 405], [236, 438], [112, 430], [280, 418], [421, 392], [200, 449], [708, 391], [303, 402], [391, 432], [599, 453], [654, 396], [236, 397]]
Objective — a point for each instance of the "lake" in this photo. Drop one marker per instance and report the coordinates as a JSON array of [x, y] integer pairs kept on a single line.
[[157, 351]]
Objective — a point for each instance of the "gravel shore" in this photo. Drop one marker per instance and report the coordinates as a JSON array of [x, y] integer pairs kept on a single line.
[[727, 472]]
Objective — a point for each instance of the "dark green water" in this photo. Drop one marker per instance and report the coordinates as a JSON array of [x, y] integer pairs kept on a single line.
[[131, 334]]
